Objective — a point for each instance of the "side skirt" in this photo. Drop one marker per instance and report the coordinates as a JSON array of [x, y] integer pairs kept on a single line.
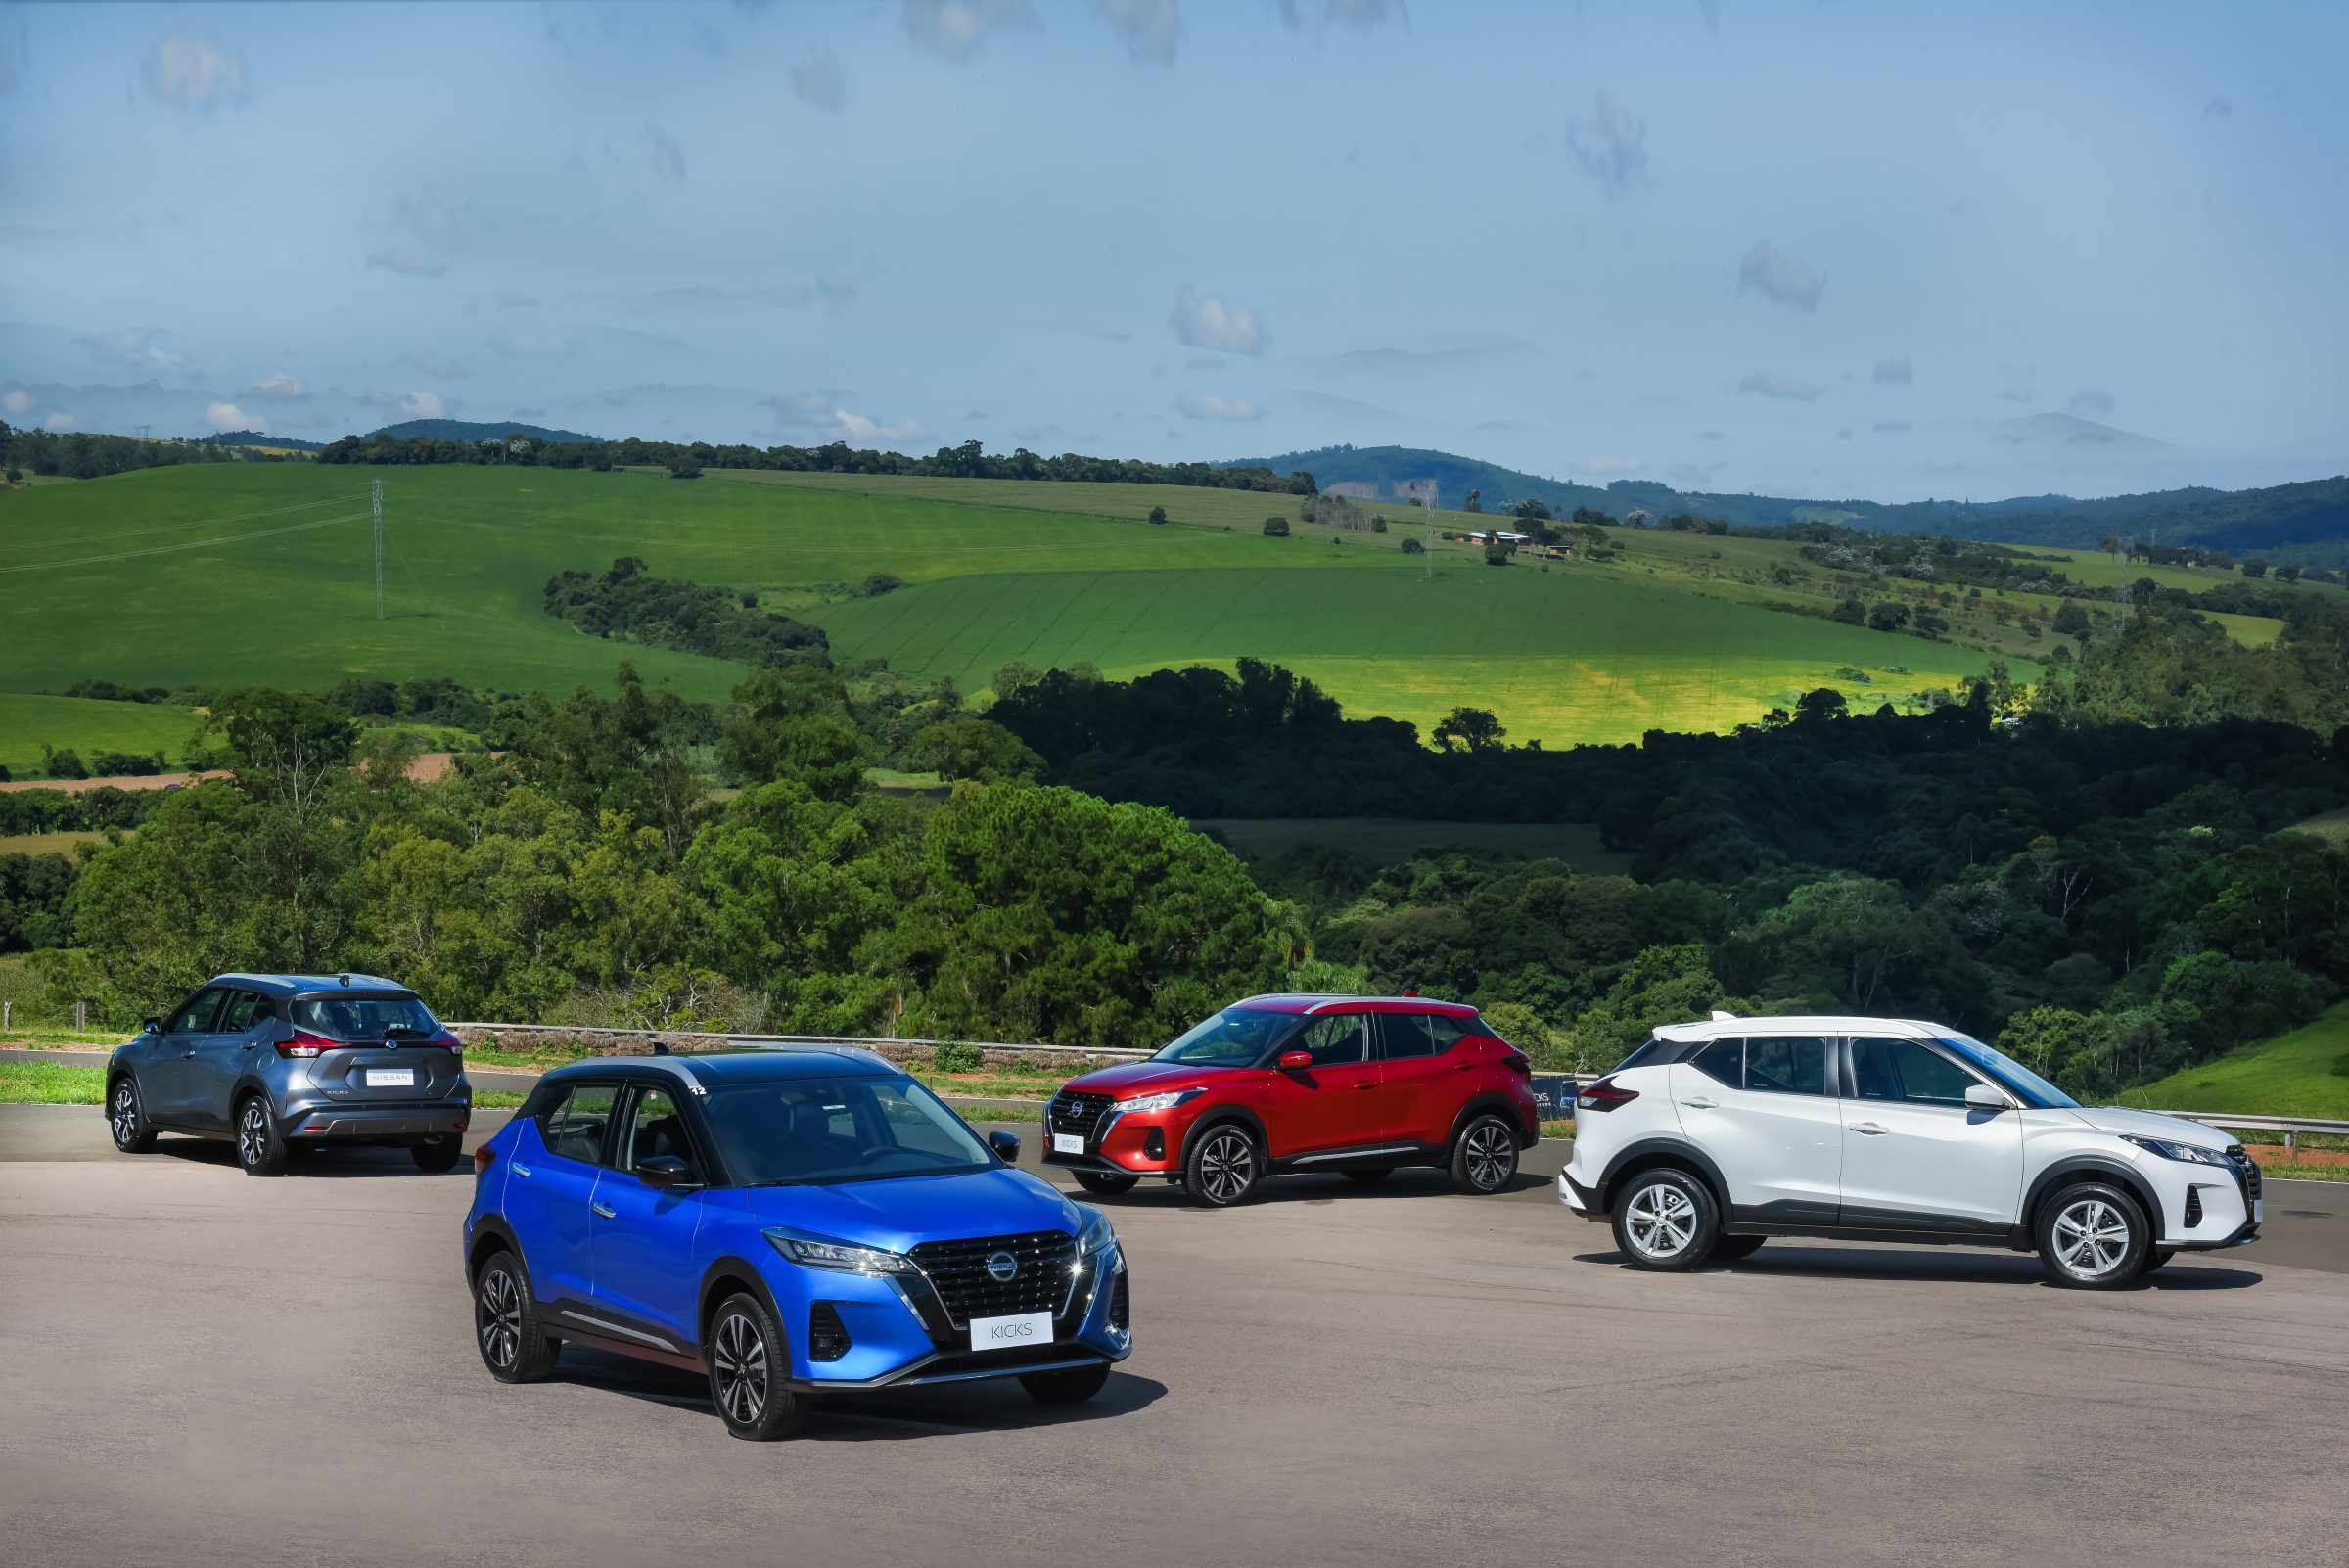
[[589, 1323]]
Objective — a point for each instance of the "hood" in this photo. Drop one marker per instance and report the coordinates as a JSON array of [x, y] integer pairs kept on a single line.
[[1129, 1078], [2149, 1125], [899, 1214]]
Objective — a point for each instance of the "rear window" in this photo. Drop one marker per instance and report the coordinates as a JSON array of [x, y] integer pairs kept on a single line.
[[1648, 1052], [357, 1018]]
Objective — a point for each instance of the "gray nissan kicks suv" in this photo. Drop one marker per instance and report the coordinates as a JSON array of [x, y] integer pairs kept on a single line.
[[284, 1062]]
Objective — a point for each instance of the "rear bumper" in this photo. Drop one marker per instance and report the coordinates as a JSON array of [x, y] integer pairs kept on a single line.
[[1583, 1200], [397, 1123]]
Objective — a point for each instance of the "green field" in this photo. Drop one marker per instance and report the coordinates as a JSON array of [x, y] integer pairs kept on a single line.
[[2305, 1073], [27, 721], [223, 573]]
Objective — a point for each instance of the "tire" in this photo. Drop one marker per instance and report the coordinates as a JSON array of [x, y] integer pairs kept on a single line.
[[1732, 1249], [1101, 1185], [2093, 1236], [127, 1117], [1224, 1166], [1072, 1386], [505, 1322], [2156, 1258], [260, 1147], [1370, 1178], [1665, 1218], [748, 1361], [438, 1157], [1483, 1157]]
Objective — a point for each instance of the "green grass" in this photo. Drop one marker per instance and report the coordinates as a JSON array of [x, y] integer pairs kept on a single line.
[[2331, 827], [2305, 1074], [1392, 840], [64, 843], [2096, 569], [28, 721], [51, 1083]]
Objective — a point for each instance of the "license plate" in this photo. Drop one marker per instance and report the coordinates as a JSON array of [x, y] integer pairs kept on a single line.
[[1010, 1333], [2259, 1211], [390, 1078], [1067, 1144]]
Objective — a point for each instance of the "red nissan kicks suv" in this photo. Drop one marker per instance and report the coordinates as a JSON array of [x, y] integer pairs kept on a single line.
[[1358, 1085]]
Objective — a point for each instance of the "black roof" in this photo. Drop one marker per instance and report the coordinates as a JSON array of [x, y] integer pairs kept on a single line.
[[716, 1069]]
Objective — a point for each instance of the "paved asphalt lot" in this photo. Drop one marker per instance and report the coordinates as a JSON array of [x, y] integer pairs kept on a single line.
[[202, 1368]]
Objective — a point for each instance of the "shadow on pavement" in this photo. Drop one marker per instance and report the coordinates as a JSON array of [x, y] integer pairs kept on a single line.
[[1793, 1260], [306, 1163], [1317, 1188]]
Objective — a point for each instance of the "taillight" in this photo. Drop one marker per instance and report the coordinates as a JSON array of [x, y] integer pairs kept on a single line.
[[482, 1159], [1518, 1063], [1604, 1095], [447, 1043], [305, 1044]]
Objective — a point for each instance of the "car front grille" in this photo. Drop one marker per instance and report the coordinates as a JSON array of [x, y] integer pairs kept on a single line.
[[2246, 1169], [958, 1271], [1074, 1111]]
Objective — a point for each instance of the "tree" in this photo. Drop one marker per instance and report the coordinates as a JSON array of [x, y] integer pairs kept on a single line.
[[1276, 528], [2071, 619], [1476, 728], [2287, 573], [1497, 553], [1820, 705], [2255, 568], [67, 764], [1412, 546], [1532, 511], [1890, 615], [1158, 514], [974, 748], [1475, 502], [794, 725], [881, 583], [1850, 612], [684, 468], [285, 746]]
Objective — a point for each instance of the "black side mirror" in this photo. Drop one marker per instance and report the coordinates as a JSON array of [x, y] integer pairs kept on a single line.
[[153, 1025], [666, 1170], [1006, 1146]]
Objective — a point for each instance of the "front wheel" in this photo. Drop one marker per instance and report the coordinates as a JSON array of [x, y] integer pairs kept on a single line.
[[1483, 1157], [438, 1157], [1224, 1166], [260, 1150], [2092, 1238], [126, 1118], [1070, 1386], [1666, 1219], [747, 1367], [1101, 1185]]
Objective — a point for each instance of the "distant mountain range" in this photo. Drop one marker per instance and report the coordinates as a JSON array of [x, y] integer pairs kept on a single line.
[[475, 429], [254, 437], [2308, 519]]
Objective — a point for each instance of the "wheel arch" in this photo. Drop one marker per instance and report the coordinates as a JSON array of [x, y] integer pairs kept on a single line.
[[1500, 1105], [728, 1275], [1222, 1116], [1649, 1153], [2079, 1168], [492, 1235]]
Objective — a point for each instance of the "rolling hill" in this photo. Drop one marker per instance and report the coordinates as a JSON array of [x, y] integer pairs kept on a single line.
[[475, 429]]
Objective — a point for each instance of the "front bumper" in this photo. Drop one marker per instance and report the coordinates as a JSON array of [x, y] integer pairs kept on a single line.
[[334, 1122], [1131, 1143]]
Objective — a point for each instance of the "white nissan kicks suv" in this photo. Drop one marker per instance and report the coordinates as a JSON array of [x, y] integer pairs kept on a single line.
[[1713, 1136]]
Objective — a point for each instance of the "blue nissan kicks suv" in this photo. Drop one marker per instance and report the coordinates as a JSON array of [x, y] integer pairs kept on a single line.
[[790, 1221]]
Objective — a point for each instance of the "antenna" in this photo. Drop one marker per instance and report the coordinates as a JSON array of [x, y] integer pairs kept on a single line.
[[379, 549]]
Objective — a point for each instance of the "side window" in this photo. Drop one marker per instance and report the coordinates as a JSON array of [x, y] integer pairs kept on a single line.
[[573, 1125], [1404, 1035], [195, 1016], [1449, 1032], [1906, 1071], [654, 1129], [1337, 1041], [1786, 1064], [1722, 1061], [243, 1010]]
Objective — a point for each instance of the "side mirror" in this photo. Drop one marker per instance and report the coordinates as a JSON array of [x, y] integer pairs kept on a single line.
[[1006, 1146], [153, 1025], [1296, 1061], [1982, 1098], [666, 1170]]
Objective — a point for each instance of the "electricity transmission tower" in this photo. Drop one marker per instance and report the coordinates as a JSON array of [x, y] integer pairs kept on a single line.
[[379, 549], [1429, 573]]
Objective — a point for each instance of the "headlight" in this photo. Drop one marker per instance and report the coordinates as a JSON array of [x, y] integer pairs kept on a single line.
[[1158, 1103], [1095, 1234], [821, 1252], [2191, 1153]]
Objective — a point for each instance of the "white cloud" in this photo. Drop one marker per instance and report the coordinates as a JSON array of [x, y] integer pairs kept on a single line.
[[1152, 28], [431, 215], [1611, 146], [669, 158], [1210, 405], [1222, 326], [809, 410], [188, 72], [856, 427], [1779, 276], [408, 263], [819, 411], [1602, 467], [1770, 386], [59, 423], [411, 405], [281, 388], [133, 348], [531, 346], [228, 416], [817, 81], [17, 400], [1895, 372], [2090, 400], [955, 30]]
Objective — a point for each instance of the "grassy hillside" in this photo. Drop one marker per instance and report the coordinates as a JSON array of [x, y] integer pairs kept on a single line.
[[2305, 1073], [27, 721], [265, 572]]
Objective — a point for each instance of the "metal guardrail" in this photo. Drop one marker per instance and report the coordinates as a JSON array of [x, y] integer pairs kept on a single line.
[[2292, 1126], [863, 1042]]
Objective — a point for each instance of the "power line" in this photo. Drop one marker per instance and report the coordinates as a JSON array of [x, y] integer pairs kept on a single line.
[[194, 544], [213, 522], [379, 549]]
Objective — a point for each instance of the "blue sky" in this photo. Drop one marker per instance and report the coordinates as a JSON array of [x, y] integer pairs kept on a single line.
[[1832, 250]]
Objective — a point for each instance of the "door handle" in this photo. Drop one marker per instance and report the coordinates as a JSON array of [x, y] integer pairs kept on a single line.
[[1700, 1103], [522, 1170], [604, 1209], [1366, 1085], [1870, 1128]]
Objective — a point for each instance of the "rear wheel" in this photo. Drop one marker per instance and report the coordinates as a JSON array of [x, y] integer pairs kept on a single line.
[[260, 1150], [438, 1157], [505, 1322], [747, 1367], [1224, 1166], [2093, 1236], [1070, 1386], [1101, 1185], [1372, 1177], [1666, 1219], [126, 1118], [1483, 1157]]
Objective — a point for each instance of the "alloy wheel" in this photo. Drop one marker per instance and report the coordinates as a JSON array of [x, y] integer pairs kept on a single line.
[[1491, 1155], [2092, 1237], [739, 1353], [253, 1134], [497, 1319], [1228, 1165], [126, 1117], [1661, 1221]]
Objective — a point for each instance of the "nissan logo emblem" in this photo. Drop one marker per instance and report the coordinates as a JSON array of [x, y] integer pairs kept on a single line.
[[1002, 1268]]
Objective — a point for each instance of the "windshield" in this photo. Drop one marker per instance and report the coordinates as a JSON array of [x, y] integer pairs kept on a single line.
[[811, 1132], [1236, 1036], [2016, 1079], [365, 1016]]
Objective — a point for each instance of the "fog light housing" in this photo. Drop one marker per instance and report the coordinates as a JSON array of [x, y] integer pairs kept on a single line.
[[827, 1336], [1154, 1147]]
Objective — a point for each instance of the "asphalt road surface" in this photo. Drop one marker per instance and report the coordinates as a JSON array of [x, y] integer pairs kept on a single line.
[[197, 1368]]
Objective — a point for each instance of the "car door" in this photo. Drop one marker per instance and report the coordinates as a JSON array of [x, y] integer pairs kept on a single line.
[[644, 1271], [167, 1082], [1914, 1154], [1419, 1085], [550, 1182], [1330, 1105], [1764, 1108], [220, 1057]]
